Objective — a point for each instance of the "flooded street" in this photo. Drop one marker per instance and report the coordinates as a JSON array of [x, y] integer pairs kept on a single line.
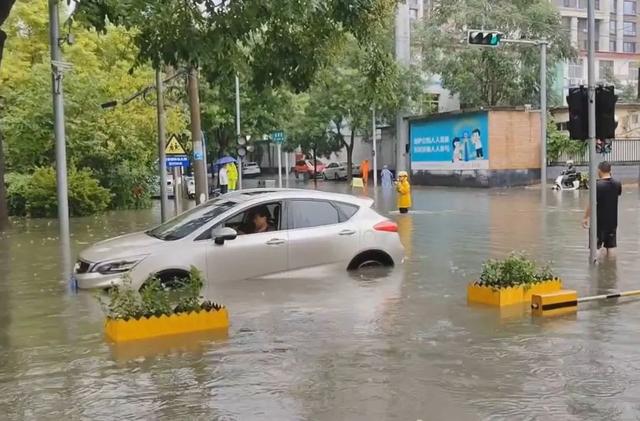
[[397, 344]]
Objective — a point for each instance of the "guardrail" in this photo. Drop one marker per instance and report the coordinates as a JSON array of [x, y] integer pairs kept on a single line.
[[623, 152]]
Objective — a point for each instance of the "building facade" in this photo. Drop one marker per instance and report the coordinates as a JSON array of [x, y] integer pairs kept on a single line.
[[617, 42]]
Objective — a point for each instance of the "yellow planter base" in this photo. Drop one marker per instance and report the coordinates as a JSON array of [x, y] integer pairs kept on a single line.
[[512, 295], [128, 330]]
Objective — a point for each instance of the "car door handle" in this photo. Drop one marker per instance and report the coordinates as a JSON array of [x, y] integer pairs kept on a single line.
[[347, 232], [275, 242]]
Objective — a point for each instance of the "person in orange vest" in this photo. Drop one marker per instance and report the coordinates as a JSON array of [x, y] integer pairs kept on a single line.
[[364, 170], [404, 192]]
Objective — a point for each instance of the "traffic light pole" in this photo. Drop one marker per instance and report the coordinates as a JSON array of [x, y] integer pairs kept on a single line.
[[593, 238]]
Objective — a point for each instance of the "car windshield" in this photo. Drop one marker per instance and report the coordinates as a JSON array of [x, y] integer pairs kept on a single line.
[[186, 223]]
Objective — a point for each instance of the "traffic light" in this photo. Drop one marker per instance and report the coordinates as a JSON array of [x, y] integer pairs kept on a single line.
[[606, 112], [487, 38], [578, 113]]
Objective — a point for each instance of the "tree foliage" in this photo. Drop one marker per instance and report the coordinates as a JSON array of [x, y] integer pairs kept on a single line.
[[506, 75], [117, 145]]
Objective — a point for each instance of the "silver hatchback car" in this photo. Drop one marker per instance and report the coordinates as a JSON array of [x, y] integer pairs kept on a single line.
[[249, 234]]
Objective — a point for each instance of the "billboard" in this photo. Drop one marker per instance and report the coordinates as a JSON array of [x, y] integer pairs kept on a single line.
[[457, 142]]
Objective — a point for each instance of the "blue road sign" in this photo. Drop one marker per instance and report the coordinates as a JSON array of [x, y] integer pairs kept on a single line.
[[278, 137], [177, 161]]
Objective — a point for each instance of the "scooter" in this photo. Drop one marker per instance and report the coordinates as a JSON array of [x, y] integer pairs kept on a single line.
[[571, 181]]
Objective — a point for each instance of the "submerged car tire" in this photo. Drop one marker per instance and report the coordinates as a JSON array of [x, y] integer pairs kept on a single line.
[[370, 258]]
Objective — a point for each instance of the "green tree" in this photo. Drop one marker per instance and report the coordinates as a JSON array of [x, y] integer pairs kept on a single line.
[[340, 101], [118, 145], [5, 9], [484, 76]]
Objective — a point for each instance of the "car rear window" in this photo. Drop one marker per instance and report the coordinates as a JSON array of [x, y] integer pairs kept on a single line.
[[345, 210]]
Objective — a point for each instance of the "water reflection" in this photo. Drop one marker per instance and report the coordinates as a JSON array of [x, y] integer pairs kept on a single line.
[[380, 344]]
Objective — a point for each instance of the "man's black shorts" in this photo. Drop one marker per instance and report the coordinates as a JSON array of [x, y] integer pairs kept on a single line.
[[607, 238]]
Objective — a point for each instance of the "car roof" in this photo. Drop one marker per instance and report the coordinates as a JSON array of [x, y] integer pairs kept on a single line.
[[259, 195]]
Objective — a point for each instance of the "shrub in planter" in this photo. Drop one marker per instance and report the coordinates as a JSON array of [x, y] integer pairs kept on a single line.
[[512, 280], [154, 311]]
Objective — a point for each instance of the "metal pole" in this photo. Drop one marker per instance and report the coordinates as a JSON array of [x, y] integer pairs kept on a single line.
[[238, 130], [161, 146], [403, 57], [286, 168], [176, 199], [315, 169], [279, 165], [375, 148], [593, 246], [543, 114], [58, 111], [199, 170]]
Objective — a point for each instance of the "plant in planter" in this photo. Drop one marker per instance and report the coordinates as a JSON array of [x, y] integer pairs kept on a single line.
[[512, 280], [155, 312]]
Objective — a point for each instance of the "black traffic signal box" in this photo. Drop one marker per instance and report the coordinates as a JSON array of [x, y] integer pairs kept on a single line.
[[578, 101]]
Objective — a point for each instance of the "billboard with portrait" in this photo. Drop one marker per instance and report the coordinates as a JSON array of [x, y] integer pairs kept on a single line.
[[456, 142]]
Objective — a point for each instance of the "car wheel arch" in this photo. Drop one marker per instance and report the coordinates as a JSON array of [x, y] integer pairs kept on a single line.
[[373, 255]]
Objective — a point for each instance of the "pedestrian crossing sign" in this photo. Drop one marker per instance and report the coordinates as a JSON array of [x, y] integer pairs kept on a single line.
[[174, 147]]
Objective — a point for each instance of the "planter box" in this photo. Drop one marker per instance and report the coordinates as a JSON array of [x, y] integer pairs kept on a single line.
[[127, 330], [512, 295]]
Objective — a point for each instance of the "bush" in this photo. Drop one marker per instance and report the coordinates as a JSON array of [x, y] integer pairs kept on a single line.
[[129, 186], [154, 300], [36, 195], [515, 270], [17, 187]]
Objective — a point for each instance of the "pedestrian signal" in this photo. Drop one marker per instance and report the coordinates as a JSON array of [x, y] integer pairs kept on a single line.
[[487, 38]]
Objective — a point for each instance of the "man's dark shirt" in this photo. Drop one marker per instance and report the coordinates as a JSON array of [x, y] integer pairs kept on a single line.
[[607, 198]]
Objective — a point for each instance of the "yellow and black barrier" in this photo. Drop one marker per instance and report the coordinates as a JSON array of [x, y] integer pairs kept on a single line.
[[566, 301]]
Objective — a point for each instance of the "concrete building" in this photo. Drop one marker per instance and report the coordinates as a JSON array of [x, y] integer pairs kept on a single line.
[[617, 42], [628, 120]]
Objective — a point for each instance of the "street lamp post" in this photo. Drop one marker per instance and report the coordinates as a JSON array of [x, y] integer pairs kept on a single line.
[[58, 110], [593, 238], [161, 146]]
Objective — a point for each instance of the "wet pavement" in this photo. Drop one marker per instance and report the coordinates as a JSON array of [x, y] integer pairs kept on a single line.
[[396, 344]]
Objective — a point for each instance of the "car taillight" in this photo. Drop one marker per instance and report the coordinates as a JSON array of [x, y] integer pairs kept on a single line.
[[388, 226]]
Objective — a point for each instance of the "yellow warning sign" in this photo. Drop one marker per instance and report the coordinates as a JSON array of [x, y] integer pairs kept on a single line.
[[174, 147]]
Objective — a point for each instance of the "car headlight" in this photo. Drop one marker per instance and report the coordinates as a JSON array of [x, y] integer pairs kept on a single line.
[[117, 265]]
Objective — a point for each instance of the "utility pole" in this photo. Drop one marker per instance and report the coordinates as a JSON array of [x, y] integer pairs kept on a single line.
[[58, 111], [403, 57], [375, 147], [593, 239], [543, 115], [161, 146], [238, 134], [199, 170]]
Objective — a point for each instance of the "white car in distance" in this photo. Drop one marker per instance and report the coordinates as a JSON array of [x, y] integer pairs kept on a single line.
[[338, 171], [251, 169], [305, 229]]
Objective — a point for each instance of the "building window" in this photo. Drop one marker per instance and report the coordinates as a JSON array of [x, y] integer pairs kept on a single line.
[[584, 3], [606, 70], [629, 47], [576, 69], [564, 126], [612, 46], [570, 3], [630, 8], [613, 5], [634, 119], [629, 28], [612, 27]]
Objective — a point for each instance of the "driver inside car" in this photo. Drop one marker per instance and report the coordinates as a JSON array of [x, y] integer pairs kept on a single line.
[[258, 220]]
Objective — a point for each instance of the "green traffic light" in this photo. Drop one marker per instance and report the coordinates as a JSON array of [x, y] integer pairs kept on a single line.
[[495, 39]]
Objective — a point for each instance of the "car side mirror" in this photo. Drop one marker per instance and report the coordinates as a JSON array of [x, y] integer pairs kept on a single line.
[[220, 235]]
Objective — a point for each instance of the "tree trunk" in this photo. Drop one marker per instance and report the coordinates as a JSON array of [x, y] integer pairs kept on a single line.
[[4, 208], [350, 155]]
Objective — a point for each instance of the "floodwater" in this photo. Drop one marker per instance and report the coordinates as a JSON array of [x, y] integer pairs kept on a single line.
[[387, 345]]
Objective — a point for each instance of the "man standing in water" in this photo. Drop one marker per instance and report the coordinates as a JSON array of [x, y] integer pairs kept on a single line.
[[608, 191]]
